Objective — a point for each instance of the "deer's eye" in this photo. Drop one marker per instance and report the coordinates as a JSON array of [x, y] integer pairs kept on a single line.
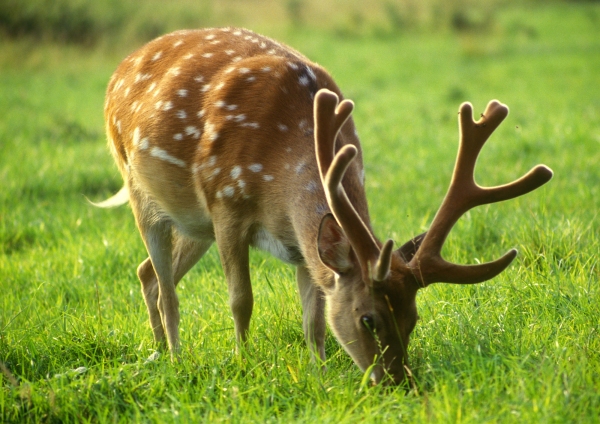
[[368, 321]]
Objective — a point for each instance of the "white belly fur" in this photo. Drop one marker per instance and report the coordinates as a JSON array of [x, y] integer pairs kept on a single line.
[[264, 240]]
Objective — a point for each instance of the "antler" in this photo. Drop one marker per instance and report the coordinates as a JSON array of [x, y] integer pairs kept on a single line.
[[329, 118], [463, 194]]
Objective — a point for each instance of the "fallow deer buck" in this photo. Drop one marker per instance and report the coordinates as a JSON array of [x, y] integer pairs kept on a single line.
[[212, 131]]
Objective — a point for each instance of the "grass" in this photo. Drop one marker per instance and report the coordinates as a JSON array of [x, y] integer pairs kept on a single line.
[[74, 340]]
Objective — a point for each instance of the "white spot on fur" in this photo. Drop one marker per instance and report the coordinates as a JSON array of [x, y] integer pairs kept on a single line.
[[209, 129], [175, 71], [282, 127], [193, 131], [208, 55], [312, 186], [231, 107], [300, 167], [199, 78], [159, 153], [156, 56], [229, 52], [210, 37], [188, 56], [244, 70], [219, 86], [251, 79], [136, 136], [178, 43], [255, 167], [228, 191], [214, 173], [219, 103], [178, 136], [239, 118], [144, 143], [268, 177], [205, 88], [118, 85], [266, 69], [235, 172], [236, 59], [168, 105], [303, 80], [292, 65], [151, 87], [182, 93], [254, 125], [201, 113], [142, 77], [181, 114]]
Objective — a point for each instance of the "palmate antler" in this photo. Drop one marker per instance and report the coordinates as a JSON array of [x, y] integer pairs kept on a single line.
[[427, 265]]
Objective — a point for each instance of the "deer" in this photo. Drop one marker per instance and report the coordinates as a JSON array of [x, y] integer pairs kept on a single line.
[[223, 135]]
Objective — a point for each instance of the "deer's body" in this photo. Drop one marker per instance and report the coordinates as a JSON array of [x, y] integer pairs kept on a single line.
[[226, 115], [214, 134]]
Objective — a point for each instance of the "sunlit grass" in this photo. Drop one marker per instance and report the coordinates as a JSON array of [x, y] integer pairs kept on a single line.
[[523, 347]]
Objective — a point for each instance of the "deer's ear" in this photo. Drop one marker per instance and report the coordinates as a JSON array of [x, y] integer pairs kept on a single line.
[[408, 250], [334, 248]]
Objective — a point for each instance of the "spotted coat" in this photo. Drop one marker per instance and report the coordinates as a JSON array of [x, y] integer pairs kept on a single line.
[[220, 121]]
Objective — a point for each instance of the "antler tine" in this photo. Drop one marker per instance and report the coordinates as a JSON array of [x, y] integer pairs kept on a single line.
[[329, 118], [464, 194]]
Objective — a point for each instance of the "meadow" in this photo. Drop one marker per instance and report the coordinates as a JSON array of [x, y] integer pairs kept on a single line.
[[75, 344]]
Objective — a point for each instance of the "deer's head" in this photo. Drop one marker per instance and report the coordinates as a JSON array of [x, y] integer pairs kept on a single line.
[[372, 308]]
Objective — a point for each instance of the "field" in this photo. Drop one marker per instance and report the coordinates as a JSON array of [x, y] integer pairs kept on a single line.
[[75, 345]]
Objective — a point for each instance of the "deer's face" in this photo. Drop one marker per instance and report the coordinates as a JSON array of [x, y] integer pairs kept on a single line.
[[373, 322], [371, 319]]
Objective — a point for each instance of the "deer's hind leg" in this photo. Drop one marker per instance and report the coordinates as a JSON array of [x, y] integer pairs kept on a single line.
[[186, 253], [171, 255]]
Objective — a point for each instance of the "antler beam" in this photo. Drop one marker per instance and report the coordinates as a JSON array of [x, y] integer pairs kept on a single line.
[[463, 194], [329, 118]]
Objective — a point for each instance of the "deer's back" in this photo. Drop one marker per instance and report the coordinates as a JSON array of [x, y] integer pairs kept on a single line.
[[226, 115]]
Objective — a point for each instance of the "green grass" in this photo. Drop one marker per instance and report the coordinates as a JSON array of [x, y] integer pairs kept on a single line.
[[523, 347]]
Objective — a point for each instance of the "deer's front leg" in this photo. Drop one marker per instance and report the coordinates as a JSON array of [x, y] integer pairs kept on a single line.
[[313, 313], [233, 250]]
